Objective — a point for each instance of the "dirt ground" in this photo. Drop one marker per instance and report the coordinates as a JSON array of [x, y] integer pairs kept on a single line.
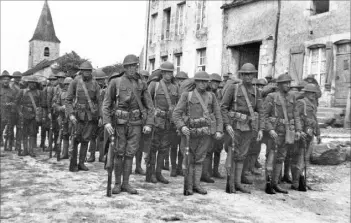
[[43, 190]]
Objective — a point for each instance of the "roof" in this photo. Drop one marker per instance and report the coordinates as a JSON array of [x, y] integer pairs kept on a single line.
[[43, 64], [236, 3], [45, 30]]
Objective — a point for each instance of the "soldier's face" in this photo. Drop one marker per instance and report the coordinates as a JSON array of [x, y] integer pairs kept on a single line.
[[225, 78], [260, 86], [131, 69], [53, 82], [65, 87], [310, 95], [167, 75], [32, 85], [60, 80], [214, 85], [284, 86], [17, 80], [180, 80], [247, 78], [101, 82], [5, 81], [86, 75], [201, 85]]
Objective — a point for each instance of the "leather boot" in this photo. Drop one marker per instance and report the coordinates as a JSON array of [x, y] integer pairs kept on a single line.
[[205, 177], [246, 176], [35, 144], [190, 179], [286, 177], [25, 147], [138, 158], [127, 169], [252, 167], [197, 175], [151, 173], [209, 170], [65, 149], [92, 148], [166, 160], [276, 174], [174, 161], [73, 159], [237, 179], [159, 166], [216, 160], [269, 189], [32, 146], [42, 139], [10, 144], [82, 155], [180, 163], [18, 139], [153, 178], [118, 166], [101, 151]]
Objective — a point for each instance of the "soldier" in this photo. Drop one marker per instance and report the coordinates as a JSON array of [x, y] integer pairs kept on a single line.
[[8, 106], [225, 78], [284, 126], [307, 110], [48, 94], [180, 77], [45, 124], [97, 137], [17, 76], [84, 93], [198, 115], [165, 95], [242, 110], [145, 74], [128, 98], [63, 120], [268, 78], [28, 102], [217, 145]]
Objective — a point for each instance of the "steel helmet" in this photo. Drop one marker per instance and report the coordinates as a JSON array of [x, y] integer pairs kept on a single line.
[[215, 77], [52, 77], [310, 76], [86, 66], [182, 75], [32, 79], [221, 85], [44, 82], [167, 66], [284, 78], [261, 81], [201, 76], [99, 74], [17, 74], [297, 85], [130, 59], [5, 73], [67, 80], [60, 75], [226, 75], [269, 77], [145, 73], [248, 68], [310, 88]]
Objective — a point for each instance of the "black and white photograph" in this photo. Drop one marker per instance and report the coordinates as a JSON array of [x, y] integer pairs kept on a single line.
[[175, 111]]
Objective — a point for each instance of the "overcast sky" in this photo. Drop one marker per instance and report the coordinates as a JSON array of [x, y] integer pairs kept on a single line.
[[102, 31]]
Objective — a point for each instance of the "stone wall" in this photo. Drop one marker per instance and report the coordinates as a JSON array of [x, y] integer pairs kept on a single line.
[[36, 52]]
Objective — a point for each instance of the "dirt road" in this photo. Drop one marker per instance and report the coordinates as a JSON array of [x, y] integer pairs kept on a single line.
[[42, 190]]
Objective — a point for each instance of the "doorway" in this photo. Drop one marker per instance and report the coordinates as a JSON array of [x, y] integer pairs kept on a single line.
[[249, 53], [342, 77]]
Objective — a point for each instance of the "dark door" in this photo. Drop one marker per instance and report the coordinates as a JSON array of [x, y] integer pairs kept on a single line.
[[342, 77], [249, 53]]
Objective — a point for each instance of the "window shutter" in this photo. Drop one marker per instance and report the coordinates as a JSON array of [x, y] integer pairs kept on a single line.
[[329, 65], [177, 21], [297, 54]]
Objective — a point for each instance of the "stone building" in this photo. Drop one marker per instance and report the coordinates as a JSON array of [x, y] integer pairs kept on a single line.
[[44, 45], [313, 37], [187, 33]]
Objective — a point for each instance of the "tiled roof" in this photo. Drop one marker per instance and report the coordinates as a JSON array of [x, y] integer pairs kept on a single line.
[[43, 64]]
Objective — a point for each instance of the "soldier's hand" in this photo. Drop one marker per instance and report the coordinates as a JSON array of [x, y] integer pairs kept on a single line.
[[230, 131], [146, 129], [109, 128], [319, 139], [218, 135], [185, 131], [259, 135], [297, 136], [73, 119], [273, 134]]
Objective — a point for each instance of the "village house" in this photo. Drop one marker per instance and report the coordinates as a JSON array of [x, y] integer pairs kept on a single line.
[[187, 33], [311, 37]]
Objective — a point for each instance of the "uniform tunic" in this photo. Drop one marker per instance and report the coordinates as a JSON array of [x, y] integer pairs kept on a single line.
[[8, 108]]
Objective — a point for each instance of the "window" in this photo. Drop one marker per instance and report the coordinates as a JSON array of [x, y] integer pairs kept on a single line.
[[200, 14], [166, 23], [178, 61], [201, 64], [153, 28], [151, 65], [320, 6], [317, 65], [164, 59], [46, 52], [180, 19]]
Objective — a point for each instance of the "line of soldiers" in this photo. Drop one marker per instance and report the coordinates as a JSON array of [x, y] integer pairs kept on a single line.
[[154, 116]]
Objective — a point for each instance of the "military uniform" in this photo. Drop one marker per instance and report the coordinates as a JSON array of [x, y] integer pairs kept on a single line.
[[17, 121], [121, 109], [84, 107], [28, 110], [275, 120], [8, 108], [190, 113]]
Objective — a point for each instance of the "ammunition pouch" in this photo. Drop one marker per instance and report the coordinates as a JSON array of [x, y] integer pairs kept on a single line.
[[198, 123], [309, 124], [123, 117], [243, 122], [28, 112], [82, 109], [196, 132]]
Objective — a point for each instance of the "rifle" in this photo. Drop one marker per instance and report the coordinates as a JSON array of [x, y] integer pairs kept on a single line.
[[302, 180], [74, 150], [229, 166], [185, 166], [6, 136], [148, 158], [50, 137], [59, 140], [109, 164], [20, 129]]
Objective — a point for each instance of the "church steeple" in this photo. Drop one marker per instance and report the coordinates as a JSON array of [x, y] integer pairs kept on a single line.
[[45, 30], [44, 45]]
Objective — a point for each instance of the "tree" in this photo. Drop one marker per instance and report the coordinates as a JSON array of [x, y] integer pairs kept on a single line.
[[69, 63], [116, 68]]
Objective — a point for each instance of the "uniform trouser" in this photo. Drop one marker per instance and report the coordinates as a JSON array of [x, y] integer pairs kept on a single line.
[[160, 144], [128, 137], [270, 152], [298, 153], [242, 143], [17, 124], [198, 147], [252, 155]]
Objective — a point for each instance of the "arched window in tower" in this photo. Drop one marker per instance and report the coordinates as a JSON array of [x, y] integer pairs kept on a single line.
[[46, 52]]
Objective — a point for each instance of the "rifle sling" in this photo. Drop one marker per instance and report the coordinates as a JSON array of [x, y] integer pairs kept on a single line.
[[141, 107], [249, 105], [165, 90], [32, 100], [203, 103], [87, 95], [284, 110]]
